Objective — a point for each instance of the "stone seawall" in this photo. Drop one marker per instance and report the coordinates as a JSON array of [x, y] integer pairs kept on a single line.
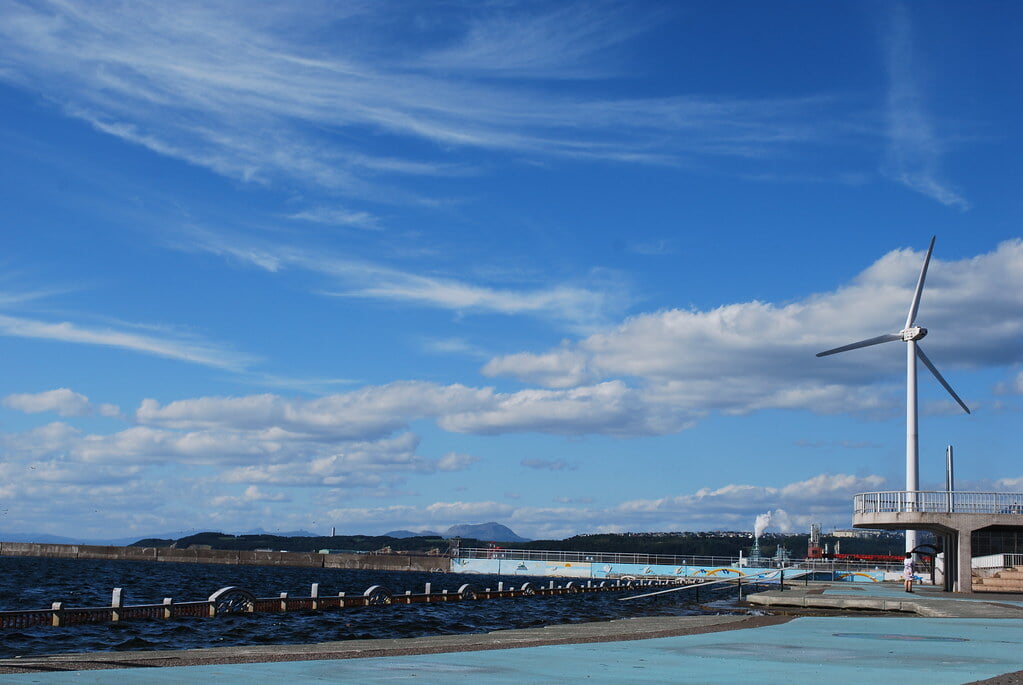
[[376, 562]]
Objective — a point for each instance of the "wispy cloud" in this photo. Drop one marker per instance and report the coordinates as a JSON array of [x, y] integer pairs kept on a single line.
[[250, 93], [338, 216], [558, 42], [579, 306], [548, 464], [187, 350], [915, 149]]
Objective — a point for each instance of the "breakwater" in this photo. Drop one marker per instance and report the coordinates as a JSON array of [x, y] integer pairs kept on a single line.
[[423, 563]]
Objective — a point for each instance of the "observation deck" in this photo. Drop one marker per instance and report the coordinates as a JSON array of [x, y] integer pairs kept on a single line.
[[952, 516]]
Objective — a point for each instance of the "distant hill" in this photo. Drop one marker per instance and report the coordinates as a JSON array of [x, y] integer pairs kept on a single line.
[[282, 533], [402, 534], [491, 532], [47, 539], [302, 543]]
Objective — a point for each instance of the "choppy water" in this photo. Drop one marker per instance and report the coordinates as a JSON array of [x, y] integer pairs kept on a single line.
[[30, 583]]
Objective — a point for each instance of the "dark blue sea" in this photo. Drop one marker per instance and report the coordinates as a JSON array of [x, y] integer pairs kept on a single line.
[[33, 583]]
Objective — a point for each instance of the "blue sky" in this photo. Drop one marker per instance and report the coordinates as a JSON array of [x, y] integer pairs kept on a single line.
[[380, 265]]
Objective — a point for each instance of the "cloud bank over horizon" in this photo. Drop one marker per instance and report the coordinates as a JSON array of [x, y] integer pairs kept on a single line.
[[657, 374]]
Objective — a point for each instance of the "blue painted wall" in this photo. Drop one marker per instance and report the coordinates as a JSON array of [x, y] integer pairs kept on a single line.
[[585, 569]]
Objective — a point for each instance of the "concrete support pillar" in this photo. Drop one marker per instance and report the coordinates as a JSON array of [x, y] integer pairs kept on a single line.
[[964, 561], [947, 562]]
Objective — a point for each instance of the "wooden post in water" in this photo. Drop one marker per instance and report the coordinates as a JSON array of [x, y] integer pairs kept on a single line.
[[116, 603], [58, 614]]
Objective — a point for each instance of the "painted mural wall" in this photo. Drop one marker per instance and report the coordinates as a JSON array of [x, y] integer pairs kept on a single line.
[[582, 569]]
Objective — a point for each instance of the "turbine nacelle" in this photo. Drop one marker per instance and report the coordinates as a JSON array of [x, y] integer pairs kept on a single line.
[[913, 333]]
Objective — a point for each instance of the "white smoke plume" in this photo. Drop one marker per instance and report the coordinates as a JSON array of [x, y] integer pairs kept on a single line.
[[763, 521], [782, 521]]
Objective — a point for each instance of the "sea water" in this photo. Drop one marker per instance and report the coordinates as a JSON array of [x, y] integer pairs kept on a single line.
[[35, 583]]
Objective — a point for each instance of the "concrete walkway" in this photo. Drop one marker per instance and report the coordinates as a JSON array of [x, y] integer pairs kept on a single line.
[[923, 601], [977, 640]]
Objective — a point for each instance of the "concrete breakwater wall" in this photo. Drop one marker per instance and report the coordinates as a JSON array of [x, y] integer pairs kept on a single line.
[[374, 562]]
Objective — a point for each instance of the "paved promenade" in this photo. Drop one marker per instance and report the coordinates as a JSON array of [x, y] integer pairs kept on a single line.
[[960, 639]]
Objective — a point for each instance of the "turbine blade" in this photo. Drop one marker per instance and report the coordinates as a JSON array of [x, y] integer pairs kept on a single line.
[[929, 365], [889, 337], [911, 319]]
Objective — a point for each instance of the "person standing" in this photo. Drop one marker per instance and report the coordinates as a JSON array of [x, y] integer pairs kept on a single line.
[[907, 572]]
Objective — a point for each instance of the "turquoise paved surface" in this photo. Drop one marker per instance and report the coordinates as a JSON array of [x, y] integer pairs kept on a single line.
[[831, 650], [892, 591]]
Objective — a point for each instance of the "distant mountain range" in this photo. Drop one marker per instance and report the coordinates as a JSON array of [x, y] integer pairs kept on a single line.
[[490, 532]]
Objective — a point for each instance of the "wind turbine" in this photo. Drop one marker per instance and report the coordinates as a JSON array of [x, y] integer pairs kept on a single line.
[[910, 334]]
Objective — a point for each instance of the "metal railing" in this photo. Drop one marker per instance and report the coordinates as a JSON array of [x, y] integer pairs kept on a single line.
[[235, 600], [906, 501], [1004, 560]]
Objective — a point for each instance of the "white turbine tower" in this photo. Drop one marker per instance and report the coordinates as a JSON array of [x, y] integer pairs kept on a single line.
[[909, 335]]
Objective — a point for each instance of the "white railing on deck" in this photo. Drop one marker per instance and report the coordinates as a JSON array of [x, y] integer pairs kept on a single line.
[[1008, 560], [902, 501]]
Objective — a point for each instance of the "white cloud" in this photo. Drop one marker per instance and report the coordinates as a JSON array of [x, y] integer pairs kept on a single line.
[[743, 357], [370, 412], [560, 368], [62, 401], [825, 498], [609, 408], [249, 497], [1012, 386], [454, 461], [462, 512], [683, 364]]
